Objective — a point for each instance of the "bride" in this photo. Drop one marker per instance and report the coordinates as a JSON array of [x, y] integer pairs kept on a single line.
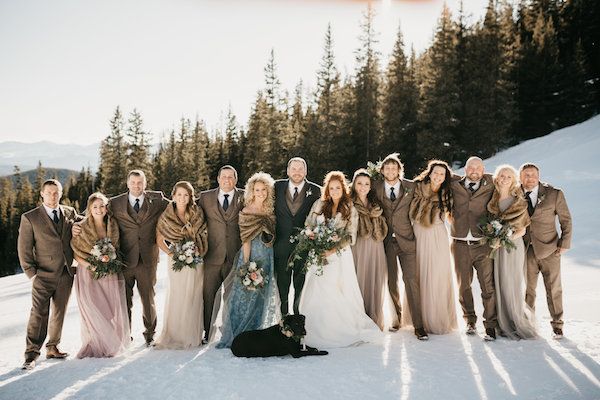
[[332, 302]]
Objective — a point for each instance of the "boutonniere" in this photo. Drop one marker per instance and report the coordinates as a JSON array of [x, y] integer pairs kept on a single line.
[[309, 193], [406, 191], [541, 198]]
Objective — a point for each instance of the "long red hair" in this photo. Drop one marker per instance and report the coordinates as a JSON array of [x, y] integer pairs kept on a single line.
[[344, 207]]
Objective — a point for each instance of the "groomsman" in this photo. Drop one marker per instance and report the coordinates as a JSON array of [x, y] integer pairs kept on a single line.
[[221, 207], [543, 242], [472, 193], [396, 194], [46, 256], [136, 212], [294, 198]]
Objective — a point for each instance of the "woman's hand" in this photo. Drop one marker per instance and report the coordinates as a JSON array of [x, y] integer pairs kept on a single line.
[[518, 234]]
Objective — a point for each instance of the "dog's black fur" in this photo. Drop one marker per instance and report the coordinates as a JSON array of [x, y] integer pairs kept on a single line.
[[273, 342]]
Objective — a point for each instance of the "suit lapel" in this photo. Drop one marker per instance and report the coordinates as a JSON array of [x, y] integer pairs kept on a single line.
[[65, 226], [282, 197], [49, 223], [541, 193], [145, 210]]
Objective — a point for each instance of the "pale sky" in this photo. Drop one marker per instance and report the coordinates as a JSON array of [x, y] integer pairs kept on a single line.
[[66, 64]]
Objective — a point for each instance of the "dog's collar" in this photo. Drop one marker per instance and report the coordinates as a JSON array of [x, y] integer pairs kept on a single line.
[[287, 332]]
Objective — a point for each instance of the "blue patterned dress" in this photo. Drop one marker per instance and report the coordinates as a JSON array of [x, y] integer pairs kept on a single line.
[[244, 309]]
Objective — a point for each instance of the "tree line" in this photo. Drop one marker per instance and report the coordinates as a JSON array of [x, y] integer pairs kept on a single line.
[[520, 72]]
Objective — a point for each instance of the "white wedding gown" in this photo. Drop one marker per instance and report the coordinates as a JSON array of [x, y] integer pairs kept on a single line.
[[332, 302]]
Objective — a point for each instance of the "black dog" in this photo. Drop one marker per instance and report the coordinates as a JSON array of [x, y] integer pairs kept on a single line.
[[277, 340]]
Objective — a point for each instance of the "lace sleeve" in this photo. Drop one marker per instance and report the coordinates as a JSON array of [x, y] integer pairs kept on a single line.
[[315, 210]]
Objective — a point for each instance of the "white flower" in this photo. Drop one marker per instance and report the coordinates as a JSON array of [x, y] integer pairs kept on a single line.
[[246, 282], [496, 225], [509, 232], [258, 280], [252, 266], [189, 259], [308, 193], [181, 257]]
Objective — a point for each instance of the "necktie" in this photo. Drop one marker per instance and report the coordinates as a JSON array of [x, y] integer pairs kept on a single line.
[[295, 196], [226, 202], [392, 194], [529, 203], [136, 206], [472, 186], [55, 219]]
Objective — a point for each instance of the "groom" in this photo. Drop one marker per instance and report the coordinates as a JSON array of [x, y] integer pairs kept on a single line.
[[293, 199]]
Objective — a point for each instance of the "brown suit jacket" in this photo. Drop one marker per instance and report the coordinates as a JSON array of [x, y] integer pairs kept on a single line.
[[542, 233], [469, 207], [137, 231], [42, 250], [397, 214], [223, 230]]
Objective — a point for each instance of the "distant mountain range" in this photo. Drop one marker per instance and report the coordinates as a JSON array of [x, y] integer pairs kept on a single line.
[[52, 155], [60, 173]]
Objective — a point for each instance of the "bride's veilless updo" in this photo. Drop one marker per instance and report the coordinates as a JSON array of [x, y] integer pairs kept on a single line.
[[345, 202]]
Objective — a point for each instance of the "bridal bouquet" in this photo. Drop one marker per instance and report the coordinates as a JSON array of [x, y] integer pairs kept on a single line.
[[314, 242], [185, 254], [251, 275], [103, 259], [497, 234]]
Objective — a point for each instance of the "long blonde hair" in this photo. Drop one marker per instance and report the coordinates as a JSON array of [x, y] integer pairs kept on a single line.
[[267, 180], [514, 187]]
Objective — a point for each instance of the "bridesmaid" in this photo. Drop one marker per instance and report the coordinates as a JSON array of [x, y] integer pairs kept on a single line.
[[515, 318], [431, 204], [246, 307], [368, 252], [183, 318], [104, 321]]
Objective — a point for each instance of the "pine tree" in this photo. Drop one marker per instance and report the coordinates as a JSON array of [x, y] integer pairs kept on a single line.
[[199, 148], [440, 97], [113, 157], [40, 177], [400, 107], [139, 144], [367, 93]]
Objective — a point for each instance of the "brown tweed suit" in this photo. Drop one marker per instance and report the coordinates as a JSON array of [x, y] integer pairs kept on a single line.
[[469, 208], [400, 246], [137, 232], [45, 255], [223, 244], [542, 241]]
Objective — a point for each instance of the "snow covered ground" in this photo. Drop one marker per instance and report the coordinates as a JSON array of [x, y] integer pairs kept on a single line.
[[452, 366]]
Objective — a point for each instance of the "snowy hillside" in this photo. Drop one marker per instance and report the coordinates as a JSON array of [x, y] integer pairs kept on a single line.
[[452, 366]]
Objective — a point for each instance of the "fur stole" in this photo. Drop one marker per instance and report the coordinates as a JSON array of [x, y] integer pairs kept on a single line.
[[425, 205], [516, 214], [252, 225], [83, 243], [174, 230], [371, 221]]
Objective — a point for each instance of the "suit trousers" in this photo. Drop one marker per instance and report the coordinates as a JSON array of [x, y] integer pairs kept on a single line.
[[145, 277], [467, 257], [214, 275], [408, 264], [550, 269], [285, 276], [49, 299]]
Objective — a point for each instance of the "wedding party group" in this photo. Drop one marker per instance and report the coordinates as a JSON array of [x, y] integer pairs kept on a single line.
[[236, 255]]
